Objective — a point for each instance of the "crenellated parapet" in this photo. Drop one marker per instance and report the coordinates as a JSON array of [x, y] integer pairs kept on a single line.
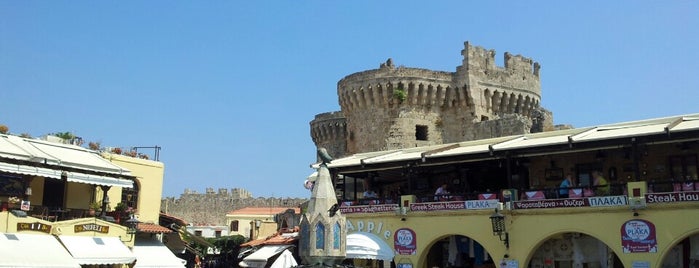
[[512, 89], [329, 130], [397, 107], [377, 88]]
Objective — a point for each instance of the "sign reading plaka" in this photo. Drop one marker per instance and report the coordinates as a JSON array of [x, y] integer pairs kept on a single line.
[[638, 236], [405, 242]]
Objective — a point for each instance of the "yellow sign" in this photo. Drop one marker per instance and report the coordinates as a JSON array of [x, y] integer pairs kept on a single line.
[[91, 227], [33, 226]]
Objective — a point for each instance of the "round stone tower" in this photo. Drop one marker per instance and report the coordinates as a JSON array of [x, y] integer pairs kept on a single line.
[[398, 107]]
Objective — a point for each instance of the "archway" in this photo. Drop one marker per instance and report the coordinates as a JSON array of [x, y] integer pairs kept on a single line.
[[457, 251], [567, 250], [685, 253]]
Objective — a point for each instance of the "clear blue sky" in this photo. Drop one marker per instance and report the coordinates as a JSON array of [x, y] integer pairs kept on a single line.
[[228, 88]]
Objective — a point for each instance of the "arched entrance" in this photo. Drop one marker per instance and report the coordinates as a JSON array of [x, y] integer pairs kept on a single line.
[[683, 254], [458, 251], [567, 250]]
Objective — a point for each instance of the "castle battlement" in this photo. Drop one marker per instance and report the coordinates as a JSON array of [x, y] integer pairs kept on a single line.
[[397, 107], [326, 129], [481, 59]]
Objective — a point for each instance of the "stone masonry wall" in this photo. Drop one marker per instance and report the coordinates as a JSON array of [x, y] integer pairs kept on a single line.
[[383, 109], [210, 208]]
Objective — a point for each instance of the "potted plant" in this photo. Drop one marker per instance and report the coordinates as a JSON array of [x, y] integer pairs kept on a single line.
[[94, 207]]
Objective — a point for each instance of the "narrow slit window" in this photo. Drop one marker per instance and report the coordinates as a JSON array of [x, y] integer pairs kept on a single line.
[[421, 133]]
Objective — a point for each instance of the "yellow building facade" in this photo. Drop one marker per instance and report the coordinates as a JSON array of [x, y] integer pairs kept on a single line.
[[505, 206]]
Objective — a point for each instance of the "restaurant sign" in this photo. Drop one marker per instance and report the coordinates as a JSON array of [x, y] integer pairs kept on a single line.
[[638, 236], [405, 241], [672, 197], [369, 209], [91, 227], [601, 201], [33, 226], [455, 205]]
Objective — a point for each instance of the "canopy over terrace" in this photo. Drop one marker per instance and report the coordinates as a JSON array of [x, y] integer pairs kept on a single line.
[[26, 156], [658, 130], [490, 165]]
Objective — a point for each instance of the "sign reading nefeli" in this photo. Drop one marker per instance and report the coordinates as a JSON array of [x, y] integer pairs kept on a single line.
[[91, 227]]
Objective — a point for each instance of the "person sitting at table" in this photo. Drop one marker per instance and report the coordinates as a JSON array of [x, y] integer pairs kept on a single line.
[[370, 194], [564, 186], [601, 186], [441, 193]]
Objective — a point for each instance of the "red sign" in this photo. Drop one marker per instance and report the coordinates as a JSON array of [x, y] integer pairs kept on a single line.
[[405, 241], [638, 236]]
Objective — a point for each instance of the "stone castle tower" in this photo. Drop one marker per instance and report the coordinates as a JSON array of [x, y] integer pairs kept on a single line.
[[400, 107]]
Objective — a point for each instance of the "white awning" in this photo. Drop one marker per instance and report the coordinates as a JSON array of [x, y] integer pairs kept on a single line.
[[363, 245], [153, 254], [30, 170], [50, 159], [34, 250], [285, 260], [99, 180], [97, 250], [259, 258]]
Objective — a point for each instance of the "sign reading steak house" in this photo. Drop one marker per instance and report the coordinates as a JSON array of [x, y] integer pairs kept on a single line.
[[672, 197]]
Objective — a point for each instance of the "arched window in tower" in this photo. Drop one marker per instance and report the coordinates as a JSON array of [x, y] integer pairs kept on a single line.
[[320, 236], [336, 236]]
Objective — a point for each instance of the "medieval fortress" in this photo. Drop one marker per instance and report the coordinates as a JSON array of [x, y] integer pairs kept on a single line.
[[399, 107]]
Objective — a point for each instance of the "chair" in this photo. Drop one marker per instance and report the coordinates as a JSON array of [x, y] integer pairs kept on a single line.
[[42, 212]]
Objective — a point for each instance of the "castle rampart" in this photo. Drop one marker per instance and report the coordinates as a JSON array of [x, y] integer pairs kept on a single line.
[[397, 107]]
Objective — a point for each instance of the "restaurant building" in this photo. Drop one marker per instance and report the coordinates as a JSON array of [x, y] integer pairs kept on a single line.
[[59, 201], [504, 206]]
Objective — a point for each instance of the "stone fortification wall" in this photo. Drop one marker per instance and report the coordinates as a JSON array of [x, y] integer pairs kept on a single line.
[[512, 89], [398, 107], [210, 208]]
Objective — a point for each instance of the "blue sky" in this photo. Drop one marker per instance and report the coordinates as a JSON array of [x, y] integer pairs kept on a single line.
[[228, 88]]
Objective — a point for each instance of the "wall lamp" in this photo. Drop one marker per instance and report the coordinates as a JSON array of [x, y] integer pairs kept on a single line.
[[498, 222], [132, 228]]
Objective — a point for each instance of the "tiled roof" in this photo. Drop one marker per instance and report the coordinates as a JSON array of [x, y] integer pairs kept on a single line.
[[152, 228], [167, 218], [283, 237], [262, 210]]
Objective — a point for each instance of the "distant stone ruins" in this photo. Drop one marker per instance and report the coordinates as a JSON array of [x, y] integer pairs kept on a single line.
[[399, 107], [210, 208]]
